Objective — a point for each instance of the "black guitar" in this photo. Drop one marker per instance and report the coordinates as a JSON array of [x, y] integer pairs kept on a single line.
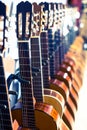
[[5, 113]]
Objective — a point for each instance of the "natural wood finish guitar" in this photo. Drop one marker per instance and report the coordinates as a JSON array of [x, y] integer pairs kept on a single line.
[[67, 68], [77, 67], [40, 115], [75, 89], [71, 63], [66, 79]]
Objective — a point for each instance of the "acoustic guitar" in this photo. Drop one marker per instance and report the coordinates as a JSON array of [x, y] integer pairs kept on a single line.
[[32, 115], [61, 89], [53, 9], [37, 57], [6, 122], [64, 91]]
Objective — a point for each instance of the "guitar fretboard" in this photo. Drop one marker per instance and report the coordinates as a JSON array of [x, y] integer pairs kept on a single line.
[[26, 87], [51, 53], [5, 119], [45, 58], [36, 62]]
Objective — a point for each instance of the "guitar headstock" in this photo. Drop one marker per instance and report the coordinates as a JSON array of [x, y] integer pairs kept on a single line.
[[2, 25], [24, 14], [56, 15], [44, 15], [36, 19], [51, 14]]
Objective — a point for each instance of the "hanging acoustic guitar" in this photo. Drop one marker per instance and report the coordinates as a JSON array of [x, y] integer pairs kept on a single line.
[[37, 115]]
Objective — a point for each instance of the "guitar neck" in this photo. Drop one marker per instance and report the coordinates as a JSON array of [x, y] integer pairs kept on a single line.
[[26, 87], [37, 63], [36, 60], [5, 115], [44, 44], [45, 58], [5, 112]]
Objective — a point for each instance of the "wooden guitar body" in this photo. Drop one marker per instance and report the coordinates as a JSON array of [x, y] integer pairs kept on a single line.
[[66, 79], [46, 117], [50, 97], [49, 120], [60, 87], [71, 63], [63, 126], [67, 118], [55, 99], [74, 89], [67, 69]]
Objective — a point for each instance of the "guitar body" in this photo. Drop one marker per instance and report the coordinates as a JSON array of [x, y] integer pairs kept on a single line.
[[73, 65], [74, 89], [59, 86], [67, 69], [63, 126], [48, 120], [62, 88], [66, 79], [50, 97], [46, 117], [55, 99], [67, 118]]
